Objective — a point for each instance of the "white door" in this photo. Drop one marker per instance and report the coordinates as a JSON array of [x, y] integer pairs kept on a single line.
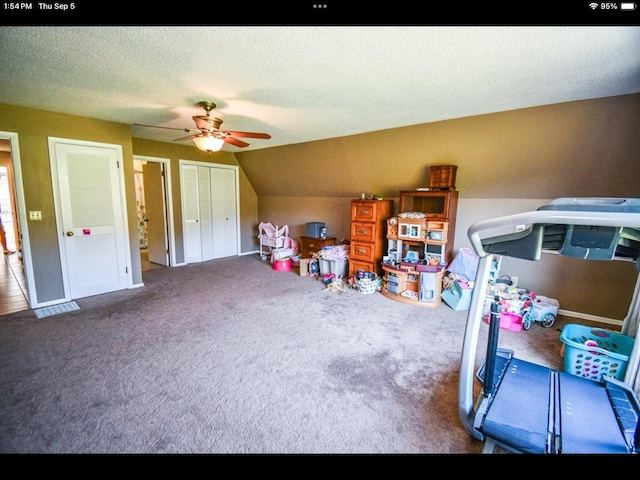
[[204, 202], [155, 208], [91, 217], [210, 212], [224, 213], [191, 213]]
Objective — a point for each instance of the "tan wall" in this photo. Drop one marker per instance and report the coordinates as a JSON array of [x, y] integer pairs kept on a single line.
[[177, 152], [587, 148], [34, 127], [507, 163]]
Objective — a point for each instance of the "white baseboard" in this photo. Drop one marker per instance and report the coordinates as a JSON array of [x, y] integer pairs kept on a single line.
[[592, 318]]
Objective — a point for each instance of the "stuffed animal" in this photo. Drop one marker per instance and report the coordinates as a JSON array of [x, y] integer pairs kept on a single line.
[[447, 280]]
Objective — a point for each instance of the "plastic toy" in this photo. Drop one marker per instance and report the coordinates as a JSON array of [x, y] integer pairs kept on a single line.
[[538, 309]]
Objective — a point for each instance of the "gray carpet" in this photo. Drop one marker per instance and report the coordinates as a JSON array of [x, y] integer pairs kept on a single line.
[[230, 356]]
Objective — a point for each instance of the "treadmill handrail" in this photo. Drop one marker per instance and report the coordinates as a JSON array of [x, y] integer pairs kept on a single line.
[[482, 229]]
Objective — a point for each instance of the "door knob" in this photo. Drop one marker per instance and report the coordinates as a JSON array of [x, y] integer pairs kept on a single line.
[[69, 234]]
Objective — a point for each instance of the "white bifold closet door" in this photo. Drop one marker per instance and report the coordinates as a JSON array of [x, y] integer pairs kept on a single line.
[[209, 212]]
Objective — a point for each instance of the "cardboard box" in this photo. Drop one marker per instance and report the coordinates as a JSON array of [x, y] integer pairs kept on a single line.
[[304, 267]]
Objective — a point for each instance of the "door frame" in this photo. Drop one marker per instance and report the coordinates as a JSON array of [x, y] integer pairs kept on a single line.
[[21, 214], [168, 200], [53, 141], [236, 170]]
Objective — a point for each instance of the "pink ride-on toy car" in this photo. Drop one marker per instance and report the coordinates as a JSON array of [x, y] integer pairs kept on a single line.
[[538, 309]]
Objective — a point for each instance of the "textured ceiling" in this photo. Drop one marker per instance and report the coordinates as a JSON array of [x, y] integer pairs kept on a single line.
[[308, 83]]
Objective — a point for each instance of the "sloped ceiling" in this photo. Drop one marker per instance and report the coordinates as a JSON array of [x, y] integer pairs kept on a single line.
[[309, 83]]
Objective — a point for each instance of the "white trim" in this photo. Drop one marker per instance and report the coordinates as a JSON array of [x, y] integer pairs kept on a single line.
[[591, 318], [58, 214], [169, 200], [32, 297]]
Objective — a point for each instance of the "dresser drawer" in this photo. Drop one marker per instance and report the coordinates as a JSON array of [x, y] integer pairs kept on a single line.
[[362, 251], [366, 232], [311, 245], [355, 265], [365, 211]]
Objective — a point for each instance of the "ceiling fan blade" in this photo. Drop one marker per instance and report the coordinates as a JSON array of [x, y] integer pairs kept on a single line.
[[189, 137], [235, 141], [265, 136], [167, 128], [207, 124]]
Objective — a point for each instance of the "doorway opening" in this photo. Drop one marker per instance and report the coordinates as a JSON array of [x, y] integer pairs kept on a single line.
[[153, 206], [13, 291], [7, 208]]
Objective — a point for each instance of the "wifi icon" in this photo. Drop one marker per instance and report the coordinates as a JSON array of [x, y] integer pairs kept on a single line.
[[593, 5]]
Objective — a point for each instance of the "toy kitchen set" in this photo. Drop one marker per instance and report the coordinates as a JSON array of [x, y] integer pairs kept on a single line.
[[420, 240]]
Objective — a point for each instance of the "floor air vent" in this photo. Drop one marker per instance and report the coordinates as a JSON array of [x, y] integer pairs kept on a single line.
[[56, 309]]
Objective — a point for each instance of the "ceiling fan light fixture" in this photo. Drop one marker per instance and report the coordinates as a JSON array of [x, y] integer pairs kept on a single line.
[[208, 143]]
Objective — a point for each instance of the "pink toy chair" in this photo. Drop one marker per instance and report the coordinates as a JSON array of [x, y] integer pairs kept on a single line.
[[272, 238]]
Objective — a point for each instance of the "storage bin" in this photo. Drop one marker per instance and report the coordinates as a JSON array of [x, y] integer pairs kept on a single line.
[[313, 229], [595, 352], [458, 296], [339, 267]]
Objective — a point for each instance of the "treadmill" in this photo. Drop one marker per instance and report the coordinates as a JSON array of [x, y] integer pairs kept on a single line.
[[564, 413]]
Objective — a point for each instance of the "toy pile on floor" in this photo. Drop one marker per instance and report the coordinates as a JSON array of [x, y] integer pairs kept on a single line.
[[520, 308]]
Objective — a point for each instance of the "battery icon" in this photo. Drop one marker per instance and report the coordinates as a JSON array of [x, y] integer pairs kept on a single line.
[[627, 6]]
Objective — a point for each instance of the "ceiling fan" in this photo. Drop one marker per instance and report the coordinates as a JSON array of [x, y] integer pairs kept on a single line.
[[208, 136]]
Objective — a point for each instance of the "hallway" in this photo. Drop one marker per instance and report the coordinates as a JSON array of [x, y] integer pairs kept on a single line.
[[13, 297]]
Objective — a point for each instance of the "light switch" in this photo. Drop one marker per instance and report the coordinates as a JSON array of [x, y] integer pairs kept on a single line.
[[35, 215]]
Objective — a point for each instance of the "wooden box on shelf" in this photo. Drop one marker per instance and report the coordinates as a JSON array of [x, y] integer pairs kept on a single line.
[[443, 177]]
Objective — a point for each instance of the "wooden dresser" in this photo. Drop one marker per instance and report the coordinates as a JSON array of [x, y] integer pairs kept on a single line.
[[368, 234], [311, 245]]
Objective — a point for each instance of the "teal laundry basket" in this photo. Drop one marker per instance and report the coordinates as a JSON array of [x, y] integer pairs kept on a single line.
[[595, 353]]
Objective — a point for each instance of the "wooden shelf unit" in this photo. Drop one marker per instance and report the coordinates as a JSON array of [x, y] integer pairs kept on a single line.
[[437, 205]]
